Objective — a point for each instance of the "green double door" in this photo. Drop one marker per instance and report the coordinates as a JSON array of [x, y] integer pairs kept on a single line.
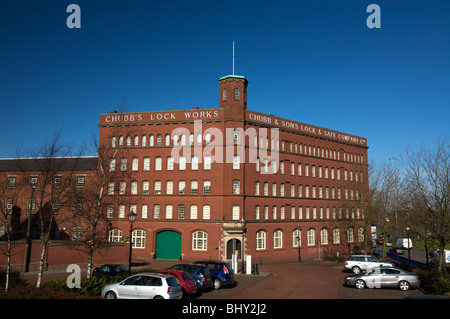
[[168, 245]]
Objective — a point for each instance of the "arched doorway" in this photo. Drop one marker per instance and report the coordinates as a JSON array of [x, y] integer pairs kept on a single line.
[[233, 245], [168, 245]]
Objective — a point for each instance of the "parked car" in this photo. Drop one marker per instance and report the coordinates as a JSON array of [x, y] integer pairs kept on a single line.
[[222, 273], [363, 263], [384, 277], [397, 251], [109, 270], [189, 287], [144, 286], [200, 273]]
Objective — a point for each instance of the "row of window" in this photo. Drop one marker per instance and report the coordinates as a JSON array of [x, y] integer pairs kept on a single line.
[[80, 181], [203, 212], [299, 191], [200, 238], [272, 166], [261, 142]]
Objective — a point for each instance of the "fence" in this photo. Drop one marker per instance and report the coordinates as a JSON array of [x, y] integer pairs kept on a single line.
[[406, 260]]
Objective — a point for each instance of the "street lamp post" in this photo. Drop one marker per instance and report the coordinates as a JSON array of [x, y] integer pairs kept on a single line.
[[131, 218], [409, 247], [298, 243], [242, 245]]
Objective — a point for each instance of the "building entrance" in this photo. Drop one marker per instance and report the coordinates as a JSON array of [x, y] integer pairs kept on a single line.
[[233, 246], [168, 245]]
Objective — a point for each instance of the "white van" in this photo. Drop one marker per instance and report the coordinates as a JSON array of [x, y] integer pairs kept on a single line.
[[405, 243]]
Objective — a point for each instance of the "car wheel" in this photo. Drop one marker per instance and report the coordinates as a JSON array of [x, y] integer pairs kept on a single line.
[[403, 285], [217, 284], [356, 270], [360, 284], [110, 295], [158, 297]]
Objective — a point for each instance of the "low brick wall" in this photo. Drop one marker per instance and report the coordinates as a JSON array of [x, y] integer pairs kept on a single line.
[[62, 253]]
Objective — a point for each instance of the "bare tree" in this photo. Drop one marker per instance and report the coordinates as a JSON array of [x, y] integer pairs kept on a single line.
[[428, 172], [49, 170], [9, 194]]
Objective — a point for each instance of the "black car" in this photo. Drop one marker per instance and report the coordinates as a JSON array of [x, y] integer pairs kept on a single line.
[[109, 270], [200, 273], [222, 274]]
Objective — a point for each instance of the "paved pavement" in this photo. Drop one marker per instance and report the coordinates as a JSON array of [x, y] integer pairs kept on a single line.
[[310, 279]]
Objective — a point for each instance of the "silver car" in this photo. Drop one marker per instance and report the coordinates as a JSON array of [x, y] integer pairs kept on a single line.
[[384, 277], [144, 286], [364, 263]]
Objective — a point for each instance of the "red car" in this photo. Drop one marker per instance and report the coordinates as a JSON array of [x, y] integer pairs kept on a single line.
[[187, 282]]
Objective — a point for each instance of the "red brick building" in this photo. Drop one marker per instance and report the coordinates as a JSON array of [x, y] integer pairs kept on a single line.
[[207, 182], [204, 183]]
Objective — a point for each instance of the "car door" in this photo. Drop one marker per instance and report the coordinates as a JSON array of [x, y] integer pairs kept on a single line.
[[391, 278], [149, 287], [372, 262], [129, 289]]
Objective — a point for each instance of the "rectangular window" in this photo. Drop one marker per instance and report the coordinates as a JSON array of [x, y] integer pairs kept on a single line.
[[236, 187], [169, 210], [121, 211], [144, 211], [112, 164], [207, 162], [157, 190], [206, 187], [123, 164], [157, 211], [78, 205], [134, 164], [111, 188], [180, 212], [134, 188], [110, 211], [257, 188], [182, 164], [81, 180], [181, 187], [170, 162], [146, 164], [236, 161], [236, 212], [145, 187], [158, 163], [206, 212], [194, 187], [194, 163], [169, 187]]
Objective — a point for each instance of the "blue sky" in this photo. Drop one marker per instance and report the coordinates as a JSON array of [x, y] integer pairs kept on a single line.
[[316, 62]]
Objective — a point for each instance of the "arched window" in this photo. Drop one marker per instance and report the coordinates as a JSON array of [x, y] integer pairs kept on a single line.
[[323, 236], [151, 140], [277, 239], [159, 140], [296, 238], [360, 234], [138, 238], [115, 235], [311, 237], [260, 240], [336, 236], [199, 240], [350, 235]]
